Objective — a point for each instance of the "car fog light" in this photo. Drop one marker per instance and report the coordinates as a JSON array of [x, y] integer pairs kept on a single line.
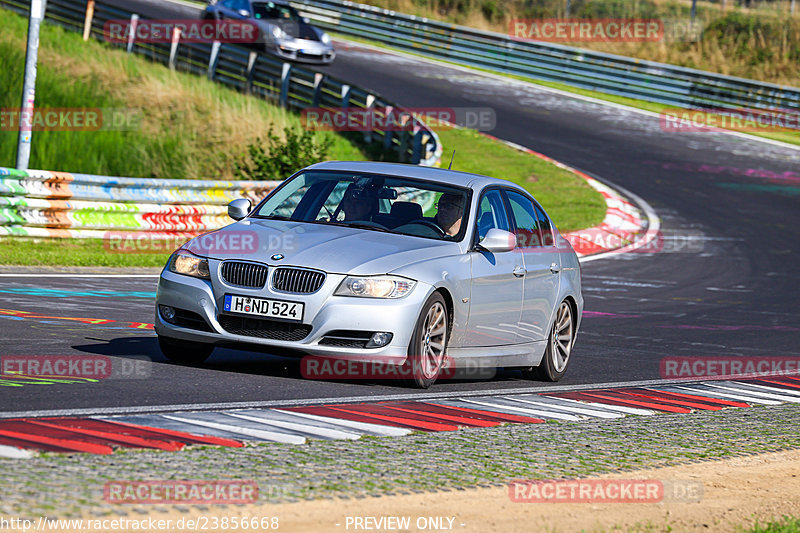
[[168, 313], [379, 339]]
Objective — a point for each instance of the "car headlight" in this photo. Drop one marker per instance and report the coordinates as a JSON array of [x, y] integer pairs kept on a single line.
[[375, 286], [189, 265], [278, 33], [325, 38]]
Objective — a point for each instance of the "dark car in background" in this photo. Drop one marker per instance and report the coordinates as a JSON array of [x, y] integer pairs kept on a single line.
[[282, 30]]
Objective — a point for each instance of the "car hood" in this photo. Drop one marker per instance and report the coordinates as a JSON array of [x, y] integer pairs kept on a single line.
[[334, 249], [292, 28]]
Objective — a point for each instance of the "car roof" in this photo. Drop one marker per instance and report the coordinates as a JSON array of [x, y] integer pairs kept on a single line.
[[439, 175]]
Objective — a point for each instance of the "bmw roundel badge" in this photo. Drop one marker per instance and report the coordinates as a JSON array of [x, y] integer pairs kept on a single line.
[[277, 257]]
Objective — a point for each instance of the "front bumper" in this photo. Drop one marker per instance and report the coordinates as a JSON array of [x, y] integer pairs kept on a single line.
[[323, 311], [305, 51]]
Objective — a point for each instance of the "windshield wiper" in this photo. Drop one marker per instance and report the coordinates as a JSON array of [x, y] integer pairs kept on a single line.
[[274, 217], [361, 225]]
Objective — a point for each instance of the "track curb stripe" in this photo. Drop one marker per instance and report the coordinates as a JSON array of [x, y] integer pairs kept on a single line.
[[350, 421]]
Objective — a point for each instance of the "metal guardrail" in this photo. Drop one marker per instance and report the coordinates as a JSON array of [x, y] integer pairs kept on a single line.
[[608, 73], [41, 203]]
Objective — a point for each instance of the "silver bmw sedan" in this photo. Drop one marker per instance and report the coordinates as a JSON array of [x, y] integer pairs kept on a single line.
[[421, 269]]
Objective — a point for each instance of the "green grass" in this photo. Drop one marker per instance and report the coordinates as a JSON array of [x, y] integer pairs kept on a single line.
[[72, 252], [188, 127], [568, 200], [788, 524], [192, 128]]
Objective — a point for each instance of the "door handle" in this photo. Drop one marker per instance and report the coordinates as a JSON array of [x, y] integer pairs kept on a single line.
[[554, 268], [519, 271]]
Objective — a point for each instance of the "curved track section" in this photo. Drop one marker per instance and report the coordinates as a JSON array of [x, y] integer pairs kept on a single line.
[[724, 284]]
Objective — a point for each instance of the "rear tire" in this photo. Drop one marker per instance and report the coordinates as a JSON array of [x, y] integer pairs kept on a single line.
[[559, 347], [185, 352], [427, 351]]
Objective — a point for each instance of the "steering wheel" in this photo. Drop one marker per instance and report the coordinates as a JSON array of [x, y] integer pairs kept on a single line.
[[429, 224]]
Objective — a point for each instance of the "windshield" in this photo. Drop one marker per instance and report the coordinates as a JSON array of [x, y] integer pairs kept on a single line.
[[373, 202], [269, 10]]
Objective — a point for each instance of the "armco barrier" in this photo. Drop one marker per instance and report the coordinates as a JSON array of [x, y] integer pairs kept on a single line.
[[291, 85], [608, 73], [61, 204]]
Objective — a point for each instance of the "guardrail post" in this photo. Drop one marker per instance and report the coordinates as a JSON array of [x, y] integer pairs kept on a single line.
[[286, 75], [416, 146], [87, 21], [25, 136], [132, 32], [369, 121], [251, 63], [388, 133], [345, 96], [317, 95], [173, 46], [402, 147], [212, 59]]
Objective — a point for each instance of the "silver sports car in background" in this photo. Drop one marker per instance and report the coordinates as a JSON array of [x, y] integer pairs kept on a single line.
[[419, 267], [282, 30]]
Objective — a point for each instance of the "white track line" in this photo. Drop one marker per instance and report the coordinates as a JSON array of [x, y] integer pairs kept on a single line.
[[377, 429], [319, 432], [529, 411], [779, 390], [225, 406], [24, 275], [577, 410], [249, 432], [10, 452], [758, 394], [726, 395], [653, 222], [606, 406]]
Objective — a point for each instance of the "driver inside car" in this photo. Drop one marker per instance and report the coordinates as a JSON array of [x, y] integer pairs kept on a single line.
[[450, 210], [360, 203]]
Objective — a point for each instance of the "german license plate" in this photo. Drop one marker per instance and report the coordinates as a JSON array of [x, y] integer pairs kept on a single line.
[[262, 307]]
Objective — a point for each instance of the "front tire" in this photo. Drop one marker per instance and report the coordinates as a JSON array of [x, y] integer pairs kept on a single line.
[[559, 346], [185, 352], [428, 347]]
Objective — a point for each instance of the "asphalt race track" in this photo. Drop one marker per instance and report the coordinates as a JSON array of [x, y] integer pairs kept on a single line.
[[724, 284]]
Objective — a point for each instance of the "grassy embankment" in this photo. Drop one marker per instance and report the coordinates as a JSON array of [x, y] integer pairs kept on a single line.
[[760, 43], [192, 128]]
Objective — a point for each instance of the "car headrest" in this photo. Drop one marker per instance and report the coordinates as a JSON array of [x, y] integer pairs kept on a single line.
[[406, 211]]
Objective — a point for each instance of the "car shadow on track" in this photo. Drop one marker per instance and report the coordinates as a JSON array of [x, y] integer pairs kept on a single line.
[[258, 364]]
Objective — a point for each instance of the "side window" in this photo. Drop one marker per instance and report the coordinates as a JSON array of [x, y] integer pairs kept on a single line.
[[230, 4], [491, 214], [526, 220], [544, 226]]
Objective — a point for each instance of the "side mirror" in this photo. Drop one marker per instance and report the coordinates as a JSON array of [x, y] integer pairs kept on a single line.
[[245, 13], [239, 208], [498, 241]]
